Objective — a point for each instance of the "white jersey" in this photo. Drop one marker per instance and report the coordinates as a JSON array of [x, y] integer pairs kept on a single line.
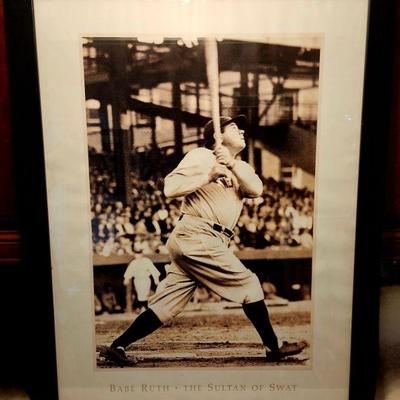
[[141, 268], [220, 201]]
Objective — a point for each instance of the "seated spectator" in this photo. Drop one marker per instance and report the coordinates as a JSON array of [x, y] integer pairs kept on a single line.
[[109, 300], [140, 228], [109, 247], [306, 239], [125, 245], [162, 213], [155, 221], [119, 227], [103, 231], [281, 237], [270, 240], [294, 238], [141, 246], [119, 208], [128, 227], [158, 245], [270, 225]]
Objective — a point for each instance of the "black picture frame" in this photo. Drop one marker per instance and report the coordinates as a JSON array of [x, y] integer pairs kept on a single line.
[[32, 202], [37, 329], [371, 188]]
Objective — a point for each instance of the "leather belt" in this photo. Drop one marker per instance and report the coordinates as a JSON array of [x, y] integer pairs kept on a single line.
[[217, 227], [225, 231]]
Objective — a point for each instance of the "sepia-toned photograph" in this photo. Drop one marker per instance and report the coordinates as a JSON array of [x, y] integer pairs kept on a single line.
[[202, 165]]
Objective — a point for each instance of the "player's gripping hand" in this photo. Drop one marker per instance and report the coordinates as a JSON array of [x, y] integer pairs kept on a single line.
[[217, 171], [224, 157]]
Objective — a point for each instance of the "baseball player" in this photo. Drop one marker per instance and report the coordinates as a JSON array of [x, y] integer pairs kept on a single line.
[[141, 269], [213, 183]]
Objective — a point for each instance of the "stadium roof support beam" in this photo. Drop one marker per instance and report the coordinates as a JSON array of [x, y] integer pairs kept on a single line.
[[157, 110], [121, 134], [198, 108], [104, 128], [176, 106]]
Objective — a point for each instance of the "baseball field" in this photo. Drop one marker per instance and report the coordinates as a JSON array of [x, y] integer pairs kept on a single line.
[[213, 335]]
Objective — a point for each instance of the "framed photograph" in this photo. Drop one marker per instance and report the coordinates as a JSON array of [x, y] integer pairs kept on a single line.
[[202, 161]]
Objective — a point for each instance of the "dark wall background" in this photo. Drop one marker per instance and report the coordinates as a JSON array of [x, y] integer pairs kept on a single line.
[[27, 328]]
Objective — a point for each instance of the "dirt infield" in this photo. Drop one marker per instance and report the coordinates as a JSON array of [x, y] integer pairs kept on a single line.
[[210, 338]]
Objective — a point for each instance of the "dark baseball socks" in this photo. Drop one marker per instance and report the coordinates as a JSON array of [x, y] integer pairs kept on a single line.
[[146, 323], [257, 313]]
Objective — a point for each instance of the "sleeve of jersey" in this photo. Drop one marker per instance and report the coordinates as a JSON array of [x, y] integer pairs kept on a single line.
[[250, 184], [191, 174], [155, 273], [130, 271]]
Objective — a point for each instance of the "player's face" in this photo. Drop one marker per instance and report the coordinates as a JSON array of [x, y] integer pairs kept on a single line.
[[233, 137]]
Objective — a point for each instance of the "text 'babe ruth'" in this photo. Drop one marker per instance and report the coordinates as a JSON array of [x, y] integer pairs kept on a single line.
[[214, 184]]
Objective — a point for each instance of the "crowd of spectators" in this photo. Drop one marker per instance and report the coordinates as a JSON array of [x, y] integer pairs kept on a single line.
[[283, 216]]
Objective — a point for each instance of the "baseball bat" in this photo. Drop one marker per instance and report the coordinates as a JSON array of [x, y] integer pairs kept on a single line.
[[211, 53]]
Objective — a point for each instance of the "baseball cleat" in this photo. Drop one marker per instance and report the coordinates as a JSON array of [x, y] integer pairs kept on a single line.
[[119, 357], [287, 349]]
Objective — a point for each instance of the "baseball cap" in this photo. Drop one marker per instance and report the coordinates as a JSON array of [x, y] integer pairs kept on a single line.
[[208, 134]]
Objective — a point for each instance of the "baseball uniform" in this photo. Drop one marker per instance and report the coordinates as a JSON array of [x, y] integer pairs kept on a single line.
[[141, 269], [198, 245]]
